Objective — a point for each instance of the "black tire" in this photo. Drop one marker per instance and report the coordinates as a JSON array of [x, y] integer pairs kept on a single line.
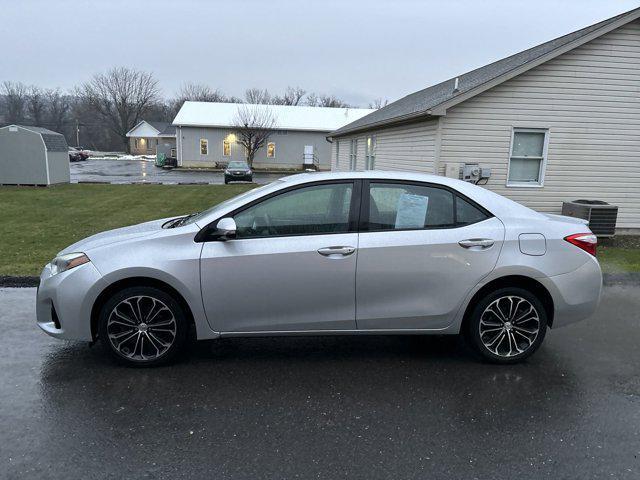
[[226, 181], [165, 305], [517, 335]]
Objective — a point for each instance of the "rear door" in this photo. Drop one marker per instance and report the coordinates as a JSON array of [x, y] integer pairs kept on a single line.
[[422, 248]]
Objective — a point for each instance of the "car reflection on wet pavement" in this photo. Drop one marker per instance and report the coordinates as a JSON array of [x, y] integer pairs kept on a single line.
[[136, 171], [325, 407]]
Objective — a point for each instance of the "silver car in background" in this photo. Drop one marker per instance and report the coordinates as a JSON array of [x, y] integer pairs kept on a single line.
[[325, 254]]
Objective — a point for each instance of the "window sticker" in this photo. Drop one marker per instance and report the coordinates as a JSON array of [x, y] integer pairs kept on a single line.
[[412, 211]]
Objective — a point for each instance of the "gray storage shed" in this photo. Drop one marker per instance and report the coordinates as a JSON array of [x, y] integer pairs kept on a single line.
[[32, 156]]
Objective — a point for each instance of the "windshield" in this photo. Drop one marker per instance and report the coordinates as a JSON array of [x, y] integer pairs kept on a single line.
[[193, 218], [238, 165]]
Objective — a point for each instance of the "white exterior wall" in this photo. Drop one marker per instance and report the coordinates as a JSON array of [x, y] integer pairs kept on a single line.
[[409, 147], [589, 99]]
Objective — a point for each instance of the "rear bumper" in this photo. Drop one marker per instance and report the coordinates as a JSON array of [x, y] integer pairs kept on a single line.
[[64, 302], [576, 294]]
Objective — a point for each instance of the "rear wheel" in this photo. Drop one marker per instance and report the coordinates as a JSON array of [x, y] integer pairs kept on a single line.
[[507, 326], [143, 326]]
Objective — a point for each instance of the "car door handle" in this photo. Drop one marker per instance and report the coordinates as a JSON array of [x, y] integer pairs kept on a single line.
[[476, 242], [342, 251]]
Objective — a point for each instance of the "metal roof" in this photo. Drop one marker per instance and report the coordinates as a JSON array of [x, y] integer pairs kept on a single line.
[[288, 117], [420, 104]]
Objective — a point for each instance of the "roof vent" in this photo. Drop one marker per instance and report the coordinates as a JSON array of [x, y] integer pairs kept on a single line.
[[456, 84]]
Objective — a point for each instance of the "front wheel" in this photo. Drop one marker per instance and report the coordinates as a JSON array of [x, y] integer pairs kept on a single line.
[[507, 326], [143, 326]]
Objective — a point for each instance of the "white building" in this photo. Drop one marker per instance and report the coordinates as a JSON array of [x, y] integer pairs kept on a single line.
[[205, 138]]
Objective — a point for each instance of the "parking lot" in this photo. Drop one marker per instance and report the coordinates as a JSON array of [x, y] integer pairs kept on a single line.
[[134, 171], [331, 407]]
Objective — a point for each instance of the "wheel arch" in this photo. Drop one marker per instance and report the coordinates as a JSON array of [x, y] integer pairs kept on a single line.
[[139, 281], [518, 281]]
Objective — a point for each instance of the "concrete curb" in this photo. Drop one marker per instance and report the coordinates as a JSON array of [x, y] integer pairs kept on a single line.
[[609, 279], [18, 282]]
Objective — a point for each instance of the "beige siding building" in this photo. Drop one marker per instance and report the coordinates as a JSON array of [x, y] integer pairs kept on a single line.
[[558, 122]]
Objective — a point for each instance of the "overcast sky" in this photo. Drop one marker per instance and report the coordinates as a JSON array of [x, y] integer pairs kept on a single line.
[[358, 50]]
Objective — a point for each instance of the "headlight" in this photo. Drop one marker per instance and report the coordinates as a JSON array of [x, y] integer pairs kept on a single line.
[[227, 171], [249, 172], [67, 261]]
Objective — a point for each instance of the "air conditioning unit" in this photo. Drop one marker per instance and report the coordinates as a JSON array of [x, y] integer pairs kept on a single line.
[[601, 215]]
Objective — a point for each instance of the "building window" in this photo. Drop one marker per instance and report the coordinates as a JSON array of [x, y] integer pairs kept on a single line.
[[353, 153], [370, 154], [271, 150], [204, 146], [173, 153], [226, 148], [528, 157]]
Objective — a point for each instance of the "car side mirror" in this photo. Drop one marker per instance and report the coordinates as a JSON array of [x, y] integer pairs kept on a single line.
[[225, 229]]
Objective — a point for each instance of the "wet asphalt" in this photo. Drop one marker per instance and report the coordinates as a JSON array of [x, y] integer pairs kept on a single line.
[[330, 407], [141, 171]]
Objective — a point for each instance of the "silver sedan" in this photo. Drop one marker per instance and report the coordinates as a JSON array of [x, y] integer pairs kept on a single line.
[[329, 254]]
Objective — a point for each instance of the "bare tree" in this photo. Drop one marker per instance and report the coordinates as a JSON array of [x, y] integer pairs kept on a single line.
[[253, 125], [257, 96], [331, 101], [58, 105], [120, 97], [14, 102], [312, 100], [378, 103], [36, 105], [197, 92], [292, 96]]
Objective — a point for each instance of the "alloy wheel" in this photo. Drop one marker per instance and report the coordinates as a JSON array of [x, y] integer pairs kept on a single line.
[[509, 326], [141, 328]]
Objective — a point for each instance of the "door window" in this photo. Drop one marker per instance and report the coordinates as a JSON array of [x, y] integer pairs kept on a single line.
[[466, 214], [309, 210], [397, 206]]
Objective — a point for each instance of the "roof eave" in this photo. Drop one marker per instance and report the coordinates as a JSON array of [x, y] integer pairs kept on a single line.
[[415, 116]]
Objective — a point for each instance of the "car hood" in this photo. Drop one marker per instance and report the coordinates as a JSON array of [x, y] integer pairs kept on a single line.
[[116, 236]]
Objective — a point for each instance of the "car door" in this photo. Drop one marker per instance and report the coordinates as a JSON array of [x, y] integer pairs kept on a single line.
[[422, 248], [292, 266]]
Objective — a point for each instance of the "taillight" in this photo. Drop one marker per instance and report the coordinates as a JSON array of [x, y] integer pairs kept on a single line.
[[586, 241]]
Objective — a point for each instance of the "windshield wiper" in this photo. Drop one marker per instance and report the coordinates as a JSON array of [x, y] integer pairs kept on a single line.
[[181, 221]]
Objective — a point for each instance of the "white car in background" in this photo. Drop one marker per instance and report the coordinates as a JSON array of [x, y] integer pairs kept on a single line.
[[329, 254]]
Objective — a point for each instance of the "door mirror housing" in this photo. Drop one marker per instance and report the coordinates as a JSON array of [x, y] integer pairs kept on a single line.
[[225, 229]]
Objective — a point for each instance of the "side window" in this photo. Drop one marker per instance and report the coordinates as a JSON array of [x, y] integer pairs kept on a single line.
[[397, 206], [467, 214], [305, 211]]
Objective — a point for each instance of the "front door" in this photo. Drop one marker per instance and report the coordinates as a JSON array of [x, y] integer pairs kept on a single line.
[[422, 249], [292, 266]]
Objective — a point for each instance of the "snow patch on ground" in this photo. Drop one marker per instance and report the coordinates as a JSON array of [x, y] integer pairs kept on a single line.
[[120, 156]]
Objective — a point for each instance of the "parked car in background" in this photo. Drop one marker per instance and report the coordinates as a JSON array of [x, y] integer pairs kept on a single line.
[[324, 254], [238, 171], [77, 154]]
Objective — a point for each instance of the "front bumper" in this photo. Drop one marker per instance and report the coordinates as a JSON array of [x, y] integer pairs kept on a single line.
[[64, 301], [238, 176], [576, 294]]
